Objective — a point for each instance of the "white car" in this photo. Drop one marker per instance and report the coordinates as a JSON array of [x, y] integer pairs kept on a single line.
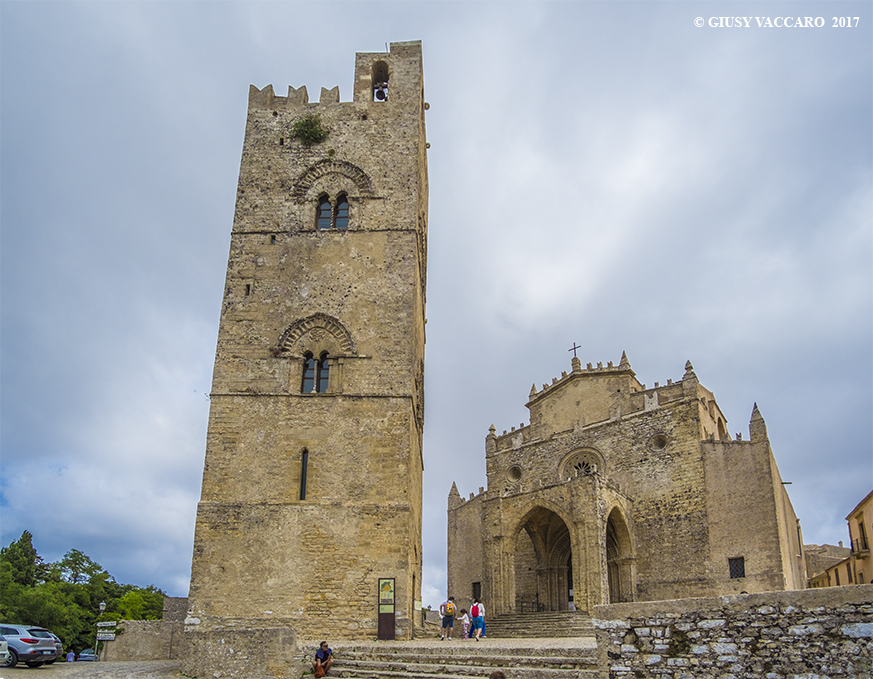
[[4, 652]]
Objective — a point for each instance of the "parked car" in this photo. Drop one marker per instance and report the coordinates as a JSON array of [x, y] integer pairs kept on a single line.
[[4, 651], [59, 645], [88, 654], [32, 645]]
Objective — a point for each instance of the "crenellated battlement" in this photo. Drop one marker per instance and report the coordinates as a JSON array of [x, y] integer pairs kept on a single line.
[[297, 98], [380, 78], [589, 396], [576, 369]]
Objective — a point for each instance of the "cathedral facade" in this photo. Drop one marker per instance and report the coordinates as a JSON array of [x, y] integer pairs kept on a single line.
[[616, 492]]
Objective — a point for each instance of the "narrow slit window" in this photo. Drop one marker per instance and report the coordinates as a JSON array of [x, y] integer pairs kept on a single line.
[[304, 463]]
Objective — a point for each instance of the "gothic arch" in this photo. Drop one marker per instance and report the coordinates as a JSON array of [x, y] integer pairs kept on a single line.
[[542, 560], [359, 179], [619, 558], [534, 505], [318, 326]]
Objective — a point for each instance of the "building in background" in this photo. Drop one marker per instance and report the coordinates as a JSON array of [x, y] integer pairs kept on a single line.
[[617, 492], [860, 521], [819, 558], [855, 566]]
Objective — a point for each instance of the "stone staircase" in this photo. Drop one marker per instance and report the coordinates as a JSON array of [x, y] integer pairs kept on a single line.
[[547, 625], [459, 659]]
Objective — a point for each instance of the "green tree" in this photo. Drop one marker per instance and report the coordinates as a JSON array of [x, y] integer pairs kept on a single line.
[[77, 567], [26, 566], [65, 596]]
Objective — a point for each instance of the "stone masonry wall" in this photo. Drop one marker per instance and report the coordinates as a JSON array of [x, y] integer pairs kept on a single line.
[[146, 640], [175, 608], [809, 634], [270, 550]]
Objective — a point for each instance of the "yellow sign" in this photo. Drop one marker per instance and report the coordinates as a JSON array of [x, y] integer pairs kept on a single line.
[[386, 592]]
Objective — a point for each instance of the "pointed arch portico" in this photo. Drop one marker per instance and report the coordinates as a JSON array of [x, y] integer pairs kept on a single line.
[[541, 547]]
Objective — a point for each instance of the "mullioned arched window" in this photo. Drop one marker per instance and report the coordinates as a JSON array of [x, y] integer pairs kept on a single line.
[[316, 373], [332, 215], [324, 215]]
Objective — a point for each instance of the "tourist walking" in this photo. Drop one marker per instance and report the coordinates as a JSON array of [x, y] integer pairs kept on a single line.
[[464, 619], [477, 612], [447, 611]]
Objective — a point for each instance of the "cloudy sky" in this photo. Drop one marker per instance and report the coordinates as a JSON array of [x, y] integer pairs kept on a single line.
[[607, 174]]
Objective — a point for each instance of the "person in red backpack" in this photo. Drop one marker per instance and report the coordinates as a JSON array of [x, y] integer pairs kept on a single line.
[[477, 613]]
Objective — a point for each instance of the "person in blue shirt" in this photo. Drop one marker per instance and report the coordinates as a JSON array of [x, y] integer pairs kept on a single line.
[[323, 659]]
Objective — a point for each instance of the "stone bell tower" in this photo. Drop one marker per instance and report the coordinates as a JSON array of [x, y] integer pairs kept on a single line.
[[312, 484]]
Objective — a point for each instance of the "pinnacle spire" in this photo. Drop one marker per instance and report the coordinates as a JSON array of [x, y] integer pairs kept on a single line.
[[757, 426], [689, 371]]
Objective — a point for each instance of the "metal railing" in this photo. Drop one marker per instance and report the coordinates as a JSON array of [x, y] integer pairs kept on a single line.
[[860, 545]]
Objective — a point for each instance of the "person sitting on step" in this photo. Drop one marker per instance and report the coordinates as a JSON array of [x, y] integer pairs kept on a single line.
[[323, 660]]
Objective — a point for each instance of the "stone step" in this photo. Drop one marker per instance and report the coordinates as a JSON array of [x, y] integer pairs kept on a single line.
[[427, 672], [430, 659], [515, 667], [458, 651], [581, 660], [546, 624]]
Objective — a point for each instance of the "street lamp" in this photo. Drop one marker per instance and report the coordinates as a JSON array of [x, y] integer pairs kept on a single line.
[[102, 607]]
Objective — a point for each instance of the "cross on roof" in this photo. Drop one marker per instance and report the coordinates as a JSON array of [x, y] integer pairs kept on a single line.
[[573, 349]]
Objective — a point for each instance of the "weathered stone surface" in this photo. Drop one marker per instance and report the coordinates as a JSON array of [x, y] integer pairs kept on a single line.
[[622, 493], [311, 493], [146, 640], [762, 635]]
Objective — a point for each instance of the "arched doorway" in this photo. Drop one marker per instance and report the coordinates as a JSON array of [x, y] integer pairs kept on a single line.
[[618, 559], [543, 563]]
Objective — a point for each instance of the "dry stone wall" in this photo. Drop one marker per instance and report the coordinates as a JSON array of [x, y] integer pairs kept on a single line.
[[810, 634], [146, 640]]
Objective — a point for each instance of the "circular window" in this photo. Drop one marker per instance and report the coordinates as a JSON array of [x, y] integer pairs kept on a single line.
[[514, 473], [584, 467], [582, 463], [658, 442]]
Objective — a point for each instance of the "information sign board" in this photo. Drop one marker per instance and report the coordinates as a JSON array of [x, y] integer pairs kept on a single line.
[[386, 608]]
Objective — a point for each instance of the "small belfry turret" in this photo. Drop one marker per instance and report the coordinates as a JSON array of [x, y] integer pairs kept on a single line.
[[311, 502]]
